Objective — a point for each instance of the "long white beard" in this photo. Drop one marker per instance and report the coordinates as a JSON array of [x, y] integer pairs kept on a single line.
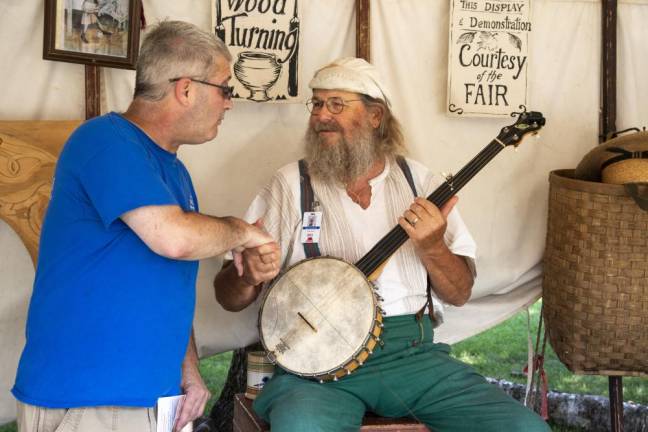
[[343, 161]]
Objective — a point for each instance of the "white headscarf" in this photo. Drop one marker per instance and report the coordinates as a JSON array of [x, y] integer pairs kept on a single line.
[[351, 74]]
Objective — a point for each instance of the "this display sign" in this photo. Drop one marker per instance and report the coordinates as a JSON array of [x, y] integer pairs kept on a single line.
[[488, 57], [263, 37]]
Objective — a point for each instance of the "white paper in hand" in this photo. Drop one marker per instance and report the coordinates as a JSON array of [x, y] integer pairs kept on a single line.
[[168, 409]]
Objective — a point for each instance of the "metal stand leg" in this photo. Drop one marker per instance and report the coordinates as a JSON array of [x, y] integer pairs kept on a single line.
[[616, 403]]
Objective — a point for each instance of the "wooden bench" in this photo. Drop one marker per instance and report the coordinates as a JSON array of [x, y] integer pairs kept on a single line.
[[245, 420]]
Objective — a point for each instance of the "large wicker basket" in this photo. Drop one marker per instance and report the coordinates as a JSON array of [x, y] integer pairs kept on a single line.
[[596, 277]]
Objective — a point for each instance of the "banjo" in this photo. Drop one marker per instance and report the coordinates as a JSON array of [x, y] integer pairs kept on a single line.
[[321, 318]]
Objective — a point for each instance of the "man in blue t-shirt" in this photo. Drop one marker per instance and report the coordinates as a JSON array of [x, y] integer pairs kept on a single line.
[[109, 328]]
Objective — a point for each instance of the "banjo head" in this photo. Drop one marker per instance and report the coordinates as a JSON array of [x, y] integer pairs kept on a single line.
[[317, 316]]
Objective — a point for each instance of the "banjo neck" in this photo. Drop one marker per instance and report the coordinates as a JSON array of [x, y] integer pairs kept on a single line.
[[528, 122], [395, 238]]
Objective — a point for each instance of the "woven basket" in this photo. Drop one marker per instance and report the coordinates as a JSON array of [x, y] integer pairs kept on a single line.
[[595, 289]]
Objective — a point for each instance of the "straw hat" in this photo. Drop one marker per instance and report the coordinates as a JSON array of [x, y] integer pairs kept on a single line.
[[621, 160]]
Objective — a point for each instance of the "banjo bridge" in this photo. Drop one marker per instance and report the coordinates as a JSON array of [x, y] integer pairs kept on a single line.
[[306, 321]]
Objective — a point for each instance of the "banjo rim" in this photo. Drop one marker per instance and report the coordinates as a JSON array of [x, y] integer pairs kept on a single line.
[[368, 344]]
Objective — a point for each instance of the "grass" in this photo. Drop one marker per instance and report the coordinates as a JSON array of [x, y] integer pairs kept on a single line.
[[11, 427], [214, 371], [500, 352]]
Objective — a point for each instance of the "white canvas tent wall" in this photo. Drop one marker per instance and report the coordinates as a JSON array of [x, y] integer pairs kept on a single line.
[[505, 206]]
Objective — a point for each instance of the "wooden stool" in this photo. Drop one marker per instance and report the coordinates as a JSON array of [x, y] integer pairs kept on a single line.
[[245, 420]]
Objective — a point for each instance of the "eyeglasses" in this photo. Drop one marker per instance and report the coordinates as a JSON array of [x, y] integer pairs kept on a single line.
[[226, 91], [334, 104]]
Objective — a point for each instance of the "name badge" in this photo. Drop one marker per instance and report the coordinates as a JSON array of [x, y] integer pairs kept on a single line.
[[311, 226]]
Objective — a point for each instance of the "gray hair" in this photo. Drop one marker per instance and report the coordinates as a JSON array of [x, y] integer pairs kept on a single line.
[[175, 49], [389, 134]]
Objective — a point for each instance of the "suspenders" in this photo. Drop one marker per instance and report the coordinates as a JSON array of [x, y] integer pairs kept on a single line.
[[309, 204], [402, 163]]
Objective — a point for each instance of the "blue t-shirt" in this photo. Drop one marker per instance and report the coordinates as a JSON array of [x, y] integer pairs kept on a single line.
[[109, 320]]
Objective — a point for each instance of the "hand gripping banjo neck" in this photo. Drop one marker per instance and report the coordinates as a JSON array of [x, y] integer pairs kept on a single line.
[[528, 122]]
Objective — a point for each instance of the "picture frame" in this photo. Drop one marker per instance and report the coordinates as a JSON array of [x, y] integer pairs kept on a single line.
[[92, 32]]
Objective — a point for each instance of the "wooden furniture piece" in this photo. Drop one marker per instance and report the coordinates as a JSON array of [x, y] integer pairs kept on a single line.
[[28, 154], [245, 420]]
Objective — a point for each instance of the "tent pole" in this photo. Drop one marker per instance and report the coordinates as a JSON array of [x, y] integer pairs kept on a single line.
[[92, 91], [363, 30], [607, 125], [616, 403], [609, 69]]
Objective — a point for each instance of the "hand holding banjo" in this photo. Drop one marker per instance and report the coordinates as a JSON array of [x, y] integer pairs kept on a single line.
[[425, 224]]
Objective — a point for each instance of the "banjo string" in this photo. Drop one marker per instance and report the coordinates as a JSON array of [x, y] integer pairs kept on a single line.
[[397, 235], [318, 310]]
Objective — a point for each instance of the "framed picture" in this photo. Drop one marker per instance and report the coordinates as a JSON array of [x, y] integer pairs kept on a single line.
[[96, 32]]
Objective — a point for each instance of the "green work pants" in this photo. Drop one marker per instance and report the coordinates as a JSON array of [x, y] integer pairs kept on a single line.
[[410, 376]]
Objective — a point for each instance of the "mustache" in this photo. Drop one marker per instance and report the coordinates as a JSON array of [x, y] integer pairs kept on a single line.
[[326, 127]]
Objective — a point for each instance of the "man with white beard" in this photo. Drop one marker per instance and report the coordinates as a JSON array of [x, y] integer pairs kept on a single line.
[[359, 186]]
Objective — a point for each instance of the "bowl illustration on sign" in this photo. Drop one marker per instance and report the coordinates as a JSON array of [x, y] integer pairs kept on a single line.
[[257, 71]]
